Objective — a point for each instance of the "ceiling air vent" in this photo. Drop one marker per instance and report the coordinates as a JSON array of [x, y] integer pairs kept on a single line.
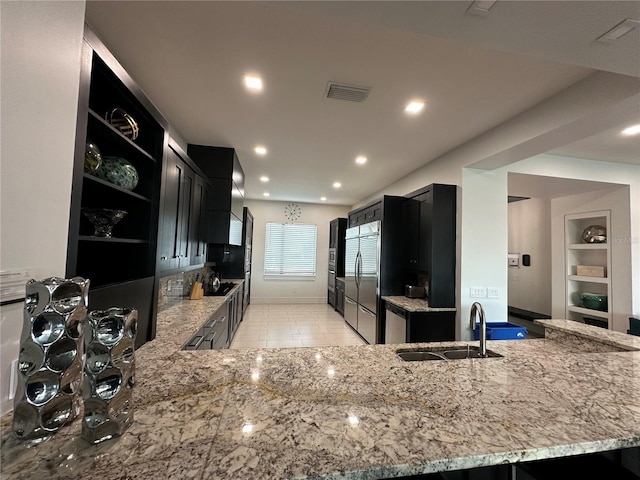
[[353, 93]]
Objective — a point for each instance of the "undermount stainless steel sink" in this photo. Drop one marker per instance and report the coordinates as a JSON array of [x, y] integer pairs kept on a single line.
[[419, 356], [443, 353]]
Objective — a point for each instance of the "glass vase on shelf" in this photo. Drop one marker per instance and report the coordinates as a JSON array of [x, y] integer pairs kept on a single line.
[[103, 220]]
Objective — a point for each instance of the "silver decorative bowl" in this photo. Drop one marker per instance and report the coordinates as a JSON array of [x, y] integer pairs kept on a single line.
[[594, 234], [103, 219]]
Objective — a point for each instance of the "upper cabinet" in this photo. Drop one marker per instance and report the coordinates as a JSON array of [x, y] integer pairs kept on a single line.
[[182, 233], [115, 187], [430, 219], [224, 206], [369, 213]]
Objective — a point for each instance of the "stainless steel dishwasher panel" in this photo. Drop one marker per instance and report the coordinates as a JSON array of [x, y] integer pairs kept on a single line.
[[395, 330]]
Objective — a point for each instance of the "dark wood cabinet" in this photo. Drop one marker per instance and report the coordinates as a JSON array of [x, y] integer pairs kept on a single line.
[[366, 214], [224, 210], [197, 234], [181, 238], [121, 267], [429, 215], [417, 218], [337, 230], [403, 326], [235, 312]]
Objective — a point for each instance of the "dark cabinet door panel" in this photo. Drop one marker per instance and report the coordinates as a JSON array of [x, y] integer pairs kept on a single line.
[[181, 238]]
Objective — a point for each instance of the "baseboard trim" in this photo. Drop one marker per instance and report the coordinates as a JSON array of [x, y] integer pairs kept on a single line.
[[287, 300]]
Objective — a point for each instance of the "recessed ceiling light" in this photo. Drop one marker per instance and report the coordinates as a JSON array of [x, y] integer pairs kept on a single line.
[[633, 130], [265, 194], [481, 7], [414, 107], [253, 82], [361, 160], [619, 30], [260, 150], [264, 178], [323, 199], [337, 184]]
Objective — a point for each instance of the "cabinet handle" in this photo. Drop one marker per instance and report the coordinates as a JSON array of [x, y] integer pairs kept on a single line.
[[163, 258]]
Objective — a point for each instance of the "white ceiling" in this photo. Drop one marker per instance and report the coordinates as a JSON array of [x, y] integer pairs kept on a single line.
[[473, 72]]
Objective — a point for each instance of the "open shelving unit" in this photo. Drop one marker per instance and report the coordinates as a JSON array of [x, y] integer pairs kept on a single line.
[[121, 269], [577, 252]]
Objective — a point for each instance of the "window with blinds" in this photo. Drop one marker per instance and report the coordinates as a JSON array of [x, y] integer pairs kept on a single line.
[[290, 249]]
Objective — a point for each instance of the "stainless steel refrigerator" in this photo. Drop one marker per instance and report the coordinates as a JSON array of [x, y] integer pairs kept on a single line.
[[362, 279]]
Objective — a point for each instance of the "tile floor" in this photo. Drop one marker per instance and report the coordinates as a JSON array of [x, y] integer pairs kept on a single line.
[[293, 325]]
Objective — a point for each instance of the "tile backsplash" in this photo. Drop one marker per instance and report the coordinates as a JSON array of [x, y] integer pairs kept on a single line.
[[176, 286]]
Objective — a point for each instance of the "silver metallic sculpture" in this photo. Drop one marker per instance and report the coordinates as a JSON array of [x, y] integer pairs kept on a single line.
[[50, 360], [108, 373]]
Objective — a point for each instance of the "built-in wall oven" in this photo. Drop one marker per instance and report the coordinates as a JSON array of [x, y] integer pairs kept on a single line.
[[331, 284]]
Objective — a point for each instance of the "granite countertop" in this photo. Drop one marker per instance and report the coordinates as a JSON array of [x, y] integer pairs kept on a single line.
[[414, 304], [581, 332], [356, 412]]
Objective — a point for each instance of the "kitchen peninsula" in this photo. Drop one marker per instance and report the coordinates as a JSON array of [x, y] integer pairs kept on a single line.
[[352, 412]]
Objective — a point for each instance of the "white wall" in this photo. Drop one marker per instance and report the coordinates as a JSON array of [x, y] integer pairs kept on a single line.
[[530, 233], [307, 290], [41, 44], [484, 243]]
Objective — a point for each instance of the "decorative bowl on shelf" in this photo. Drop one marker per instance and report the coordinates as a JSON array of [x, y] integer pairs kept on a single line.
[[92, 157], [594, 234], [103, 219], [118, 171], [124, 122], [594, 301]]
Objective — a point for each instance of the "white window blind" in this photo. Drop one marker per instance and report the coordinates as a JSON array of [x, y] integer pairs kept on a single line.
[[290, 249]]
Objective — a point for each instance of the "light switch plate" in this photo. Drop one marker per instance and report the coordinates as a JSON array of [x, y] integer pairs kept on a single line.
[[492, 292]]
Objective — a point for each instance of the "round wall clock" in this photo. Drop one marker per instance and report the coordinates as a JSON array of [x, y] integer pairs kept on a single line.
[[292, 212]]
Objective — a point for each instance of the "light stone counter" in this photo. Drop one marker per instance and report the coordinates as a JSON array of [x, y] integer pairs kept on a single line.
[[355, 412], [575, 332], [414, 304]]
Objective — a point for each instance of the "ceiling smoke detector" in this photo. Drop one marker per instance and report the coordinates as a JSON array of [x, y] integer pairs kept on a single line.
[[352, 93]]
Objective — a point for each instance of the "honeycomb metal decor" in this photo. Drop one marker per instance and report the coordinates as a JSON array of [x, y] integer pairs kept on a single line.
[[109, 369], [51, 357]]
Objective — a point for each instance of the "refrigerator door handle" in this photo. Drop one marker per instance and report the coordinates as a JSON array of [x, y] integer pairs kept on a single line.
[[359, 269], [366, 312]]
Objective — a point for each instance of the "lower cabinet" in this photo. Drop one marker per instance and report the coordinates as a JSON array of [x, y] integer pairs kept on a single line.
[[235, 311], [218, 331], [403, 326], [214, 334]]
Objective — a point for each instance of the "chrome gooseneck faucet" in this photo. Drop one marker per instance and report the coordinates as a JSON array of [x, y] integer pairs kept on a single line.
[[476, 309]]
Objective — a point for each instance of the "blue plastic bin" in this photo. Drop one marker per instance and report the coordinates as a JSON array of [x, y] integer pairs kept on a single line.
[[501, 331]]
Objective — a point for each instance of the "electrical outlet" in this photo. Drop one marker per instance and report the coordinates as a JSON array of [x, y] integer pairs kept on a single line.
[[492, 292], [477, 292]]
